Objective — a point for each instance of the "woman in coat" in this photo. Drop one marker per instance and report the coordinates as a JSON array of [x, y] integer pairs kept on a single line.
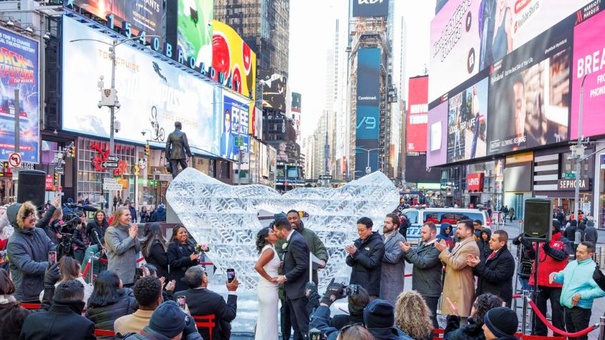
[[12, 315], [96, 229], [109, 301], [154, 249], [181, 256], [123, 246]]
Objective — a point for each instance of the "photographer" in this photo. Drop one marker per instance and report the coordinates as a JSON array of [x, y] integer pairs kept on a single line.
[[80, 237]]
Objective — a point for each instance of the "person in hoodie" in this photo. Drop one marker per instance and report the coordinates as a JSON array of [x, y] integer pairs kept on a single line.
[[578, 292], [483, 243], [28, 249], [365, 257], [445, 233]]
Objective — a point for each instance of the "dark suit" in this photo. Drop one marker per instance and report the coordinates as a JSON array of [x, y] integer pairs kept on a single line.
[[60, 322], [495, 275], [203, 301], [296, 270], [177, 148]]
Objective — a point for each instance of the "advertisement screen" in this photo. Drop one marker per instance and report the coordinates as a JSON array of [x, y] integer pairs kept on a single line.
[[417, 114], [370, 8], [530, 94], [589, 62], [368, 110], [437, 135], [19, 71], [153, 95], [143, 15], [194, 30], [233, 60], [235, 124], [467, 123], [274, 92], [468, 36], [296, 102]]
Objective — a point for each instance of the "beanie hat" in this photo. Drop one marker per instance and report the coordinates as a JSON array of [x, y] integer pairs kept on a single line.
[[379, 314], [168, 319], [557, 225], [501, 321]]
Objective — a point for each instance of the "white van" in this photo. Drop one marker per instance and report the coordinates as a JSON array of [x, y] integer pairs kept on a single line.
[[418, 217]]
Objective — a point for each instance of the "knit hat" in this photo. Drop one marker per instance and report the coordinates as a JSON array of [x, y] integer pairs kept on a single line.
[[168, 319], [557, 225], [379, 314], [501, 321]]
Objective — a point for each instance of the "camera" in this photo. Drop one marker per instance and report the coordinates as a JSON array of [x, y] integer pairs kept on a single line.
[[350, 290], [230, 274], [316, 334]]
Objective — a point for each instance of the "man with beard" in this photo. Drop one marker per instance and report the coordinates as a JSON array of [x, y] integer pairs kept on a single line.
[[393, 264]]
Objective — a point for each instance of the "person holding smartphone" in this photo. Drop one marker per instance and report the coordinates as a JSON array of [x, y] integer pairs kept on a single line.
[[123, 246]]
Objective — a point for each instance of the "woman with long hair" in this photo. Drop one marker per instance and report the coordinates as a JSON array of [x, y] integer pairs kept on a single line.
[[70, 270], [181, 256], [123, 246], [473, 329], [97, 227], [413, 316], [109, 300], [154, 248], [12, 315], [266, 266]]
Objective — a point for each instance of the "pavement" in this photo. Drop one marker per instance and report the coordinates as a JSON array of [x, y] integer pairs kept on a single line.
[[512, 228]]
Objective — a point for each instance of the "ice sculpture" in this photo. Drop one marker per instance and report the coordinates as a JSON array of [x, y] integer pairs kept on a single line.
[[225, 216]]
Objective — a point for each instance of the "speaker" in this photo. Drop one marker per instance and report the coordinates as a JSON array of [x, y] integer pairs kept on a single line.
[[538, 219], [31, 187]]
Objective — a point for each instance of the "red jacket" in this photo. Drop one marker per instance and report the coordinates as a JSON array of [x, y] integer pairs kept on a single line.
[[552, 261]]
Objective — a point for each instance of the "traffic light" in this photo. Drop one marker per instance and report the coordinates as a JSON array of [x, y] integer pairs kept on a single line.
[[71, 151], [146, 150], [57, 178]]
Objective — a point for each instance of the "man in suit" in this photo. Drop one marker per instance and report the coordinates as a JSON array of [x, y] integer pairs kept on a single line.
[[459, 283], [495, 273], [177, 149], [296, 276], [64, 319], [427, 270], [202, 301]]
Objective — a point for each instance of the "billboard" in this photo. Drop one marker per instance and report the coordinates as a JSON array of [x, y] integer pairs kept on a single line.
[[530, 94], [233, 60], [235, 124], [468, 36], [370, 8], [152, 93], [418, 109], [368, 107], [467, 122], [143, 15], [19, 70], [588, 62], [436, 153], [296, 102], [274, 92]]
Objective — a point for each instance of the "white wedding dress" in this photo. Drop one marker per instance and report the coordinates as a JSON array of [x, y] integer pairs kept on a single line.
[[266, 324]]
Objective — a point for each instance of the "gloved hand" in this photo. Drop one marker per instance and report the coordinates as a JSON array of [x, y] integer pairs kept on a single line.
[[190, 327], [526, 243], [312, 297], [52, 275], [333, 293]]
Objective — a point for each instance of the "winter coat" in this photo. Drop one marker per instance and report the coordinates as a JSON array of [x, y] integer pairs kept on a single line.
[[159, 215], [178, 263], [495, 275], [427, 270], [459, 283], [122, 252], [93, 226], [366, 263], [63, 321], [105, 316], [577, 279], [553, 260], [393, 268], [484, 249], [12, 317], [446, 236], [28, 254], [591, 234], [470, 331], [157, 257]]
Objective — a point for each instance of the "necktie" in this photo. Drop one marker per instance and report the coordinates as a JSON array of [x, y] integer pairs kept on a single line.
[[491, 256]]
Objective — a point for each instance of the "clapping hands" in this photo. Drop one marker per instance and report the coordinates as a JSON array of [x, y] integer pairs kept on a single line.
[[472, 260]]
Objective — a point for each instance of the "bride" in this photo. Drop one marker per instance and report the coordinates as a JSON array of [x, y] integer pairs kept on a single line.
[[266, 266]]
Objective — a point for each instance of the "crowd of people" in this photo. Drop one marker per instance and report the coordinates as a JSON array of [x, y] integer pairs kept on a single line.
[[467, 277]]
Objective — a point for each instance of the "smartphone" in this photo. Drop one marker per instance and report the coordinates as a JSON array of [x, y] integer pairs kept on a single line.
[[181, 301], [230, 274], [52, 257]]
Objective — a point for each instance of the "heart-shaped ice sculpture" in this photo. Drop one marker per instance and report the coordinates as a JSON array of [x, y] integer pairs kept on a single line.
[[226, 217]]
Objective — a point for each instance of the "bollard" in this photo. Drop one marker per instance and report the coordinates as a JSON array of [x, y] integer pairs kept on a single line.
[[601, 258], [602, 328], [526, 297]]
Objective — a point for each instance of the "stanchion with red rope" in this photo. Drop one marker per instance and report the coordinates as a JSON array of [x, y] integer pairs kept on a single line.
[[541, 316]]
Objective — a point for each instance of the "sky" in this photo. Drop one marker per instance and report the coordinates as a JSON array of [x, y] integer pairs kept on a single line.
[[311, 26]]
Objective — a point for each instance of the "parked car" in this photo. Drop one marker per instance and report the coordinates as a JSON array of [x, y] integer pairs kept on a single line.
[[418, 217]]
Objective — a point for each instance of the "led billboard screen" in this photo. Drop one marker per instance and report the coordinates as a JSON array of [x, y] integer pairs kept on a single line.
[[19, 71], [436, 153], [530, 94], [368, 109], [468, 36], [296, 102], [467, 123], [152, 93], [589, 62], [370, 8], [274, 92], [418, 108], [235, 125]]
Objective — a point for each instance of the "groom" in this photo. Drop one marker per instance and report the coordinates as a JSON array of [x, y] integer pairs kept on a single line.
[[296, 276]]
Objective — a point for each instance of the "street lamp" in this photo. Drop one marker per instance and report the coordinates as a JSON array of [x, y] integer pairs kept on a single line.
[[368, 168]]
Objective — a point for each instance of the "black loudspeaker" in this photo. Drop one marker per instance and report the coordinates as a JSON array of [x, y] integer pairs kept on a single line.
[[538, 219], [31, 187]]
